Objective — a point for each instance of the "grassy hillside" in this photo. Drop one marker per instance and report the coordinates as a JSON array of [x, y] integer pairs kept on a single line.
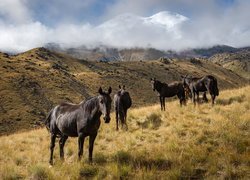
[[238, 62], [35, 81], [180, 143]]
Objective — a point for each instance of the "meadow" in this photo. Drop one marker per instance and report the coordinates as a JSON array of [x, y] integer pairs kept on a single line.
[[201, 142]]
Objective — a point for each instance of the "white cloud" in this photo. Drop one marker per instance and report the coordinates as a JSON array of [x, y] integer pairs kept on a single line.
[[202, 28], [14, 11]]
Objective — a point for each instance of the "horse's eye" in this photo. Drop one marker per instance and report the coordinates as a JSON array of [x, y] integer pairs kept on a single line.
[[101, 101]]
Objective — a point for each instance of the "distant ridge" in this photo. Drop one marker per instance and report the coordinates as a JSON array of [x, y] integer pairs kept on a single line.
[[106, 53]]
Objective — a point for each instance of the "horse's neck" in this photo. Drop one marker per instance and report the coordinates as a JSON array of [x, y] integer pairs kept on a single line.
[[91, 108], [160, 86]]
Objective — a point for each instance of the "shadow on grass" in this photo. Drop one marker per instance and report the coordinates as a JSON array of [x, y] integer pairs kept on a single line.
[[142, 161], [231, 100]]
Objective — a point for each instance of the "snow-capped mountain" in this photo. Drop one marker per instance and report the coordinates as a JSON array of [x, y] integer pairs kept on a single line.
[[128, 30], [163, 19], [166, 19]]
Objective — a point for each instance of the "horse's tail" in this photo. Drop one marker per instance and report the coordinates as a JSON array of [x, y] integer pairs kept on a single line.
[[48, 119], [216, 90]]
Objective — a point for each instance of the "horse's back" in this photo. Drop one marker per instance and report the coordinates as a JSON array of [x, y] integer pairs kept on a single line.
[[174, 88]]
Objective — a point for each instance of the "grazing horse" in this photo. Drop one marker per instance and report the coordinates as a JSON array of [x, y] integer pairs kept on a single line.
[[169, 90], [78, 120], [203, 84], [122, 102], [188, 94]]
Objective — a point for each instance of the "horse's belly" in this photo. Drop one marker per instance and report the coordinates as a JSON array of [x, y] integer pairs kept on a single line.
[[67, 127]]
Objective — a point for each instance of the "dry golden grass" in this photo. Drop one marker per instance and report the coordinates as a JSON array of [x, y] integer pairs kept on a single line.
[[180, 143]]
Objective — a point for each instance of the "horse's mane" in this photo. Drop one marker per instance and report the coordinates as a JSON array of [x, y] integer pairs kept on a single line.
[[89, 103], [161, 83]]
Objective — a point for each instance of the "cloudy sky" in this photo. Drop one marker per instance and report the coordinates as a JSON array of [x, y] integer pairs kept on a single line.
[[25, 24]]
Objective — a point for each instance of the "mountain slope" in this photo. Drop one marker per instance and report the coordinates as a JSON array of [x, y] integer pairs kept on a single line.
[[35, 81], [238, 62]]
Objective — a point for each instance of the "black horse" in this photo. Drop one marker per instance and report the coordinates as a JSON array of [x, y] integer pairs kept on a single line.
[[169, 90], [122, 102], [204, 84], [78, 120]]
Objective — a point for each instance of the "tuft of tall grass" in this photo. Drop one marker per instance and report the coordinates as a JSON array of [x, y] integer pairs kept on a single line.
[[40, 172]]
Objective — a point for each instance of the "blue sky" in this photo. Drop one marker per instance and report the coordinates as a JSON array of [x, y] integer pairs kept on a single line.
[[96, 11], [29, 23], [52, 12]]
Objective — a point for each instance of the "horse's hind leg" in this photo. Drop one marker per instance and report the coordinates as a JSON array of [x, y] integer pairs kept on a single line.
[[52, 145], [125, 118], [205, 97], [80, 145], [91, 145], [213, 98], [61, 145]]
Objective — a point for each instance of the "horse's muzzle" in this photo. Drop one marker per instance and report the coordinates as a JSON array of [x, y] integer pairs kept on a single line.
[[106, 119]]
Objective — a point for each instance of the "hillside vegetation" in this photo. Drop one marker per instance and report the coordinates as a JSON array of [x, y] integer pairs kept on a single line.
[[180, 143], [36, 80], [238, 62]]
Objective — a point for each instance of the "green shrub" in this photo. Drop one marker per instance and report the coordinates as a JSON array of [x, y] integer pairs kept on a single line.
[[11, 174], [155, 120], [99, 158], [88, 171], [124, 172], [123, 157]]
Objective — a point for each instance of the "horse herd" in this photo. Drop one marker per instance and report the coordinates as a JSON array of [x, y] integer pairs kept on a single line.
[[83, 119]]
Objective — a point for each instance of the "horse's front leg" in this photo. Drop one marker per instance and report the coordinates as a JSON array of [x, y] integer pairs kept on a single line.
[[61, 145], [160, 101], [163, 102], [52, 145], [80, 145], [91, 145], [193, 96], [198, 98]]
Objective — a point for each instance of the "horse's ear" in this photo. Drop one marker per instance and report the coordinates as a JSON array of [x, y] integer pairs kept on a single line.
[[120, 87], [151, 79], [123, 87], [100, 91], [154, 79], [110, 90], [182, 76]]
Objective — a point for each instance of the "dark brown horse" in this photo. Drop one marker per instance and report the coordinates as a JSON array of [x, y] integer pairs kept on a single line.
[[169, 90], [206, 83], [122, 102], [78, 120], [188, 95]]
